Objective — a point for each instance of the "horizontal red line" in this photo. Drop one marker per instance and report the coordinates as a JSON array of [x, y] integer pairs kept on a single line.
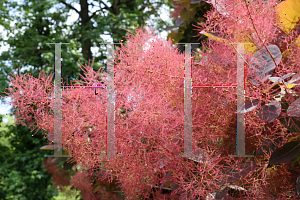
[[82, 86], [215, 85], [203, 86]]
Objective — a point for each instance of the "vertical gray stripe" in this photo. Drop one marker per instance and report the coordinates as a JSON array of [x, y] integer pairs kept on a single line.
[[240, 147], [57, 103], [240, 132], [188, 103], [110, 102]]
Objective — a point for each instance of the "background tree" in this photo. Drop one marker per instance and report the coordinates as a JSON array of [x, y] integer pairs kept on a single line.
[[185, 15], [28, 46], [22, 175]]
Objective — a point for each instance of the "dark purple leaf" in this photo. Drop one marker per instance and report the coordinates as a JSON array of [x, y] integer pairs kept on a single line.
[[249, 106], [294, 109], [235, 174], [270, 112], [195, 1], [298, 185], [68, 166], [50, 137], [286, 153], [262, 64], [268, 145], [291, 123], [179, 23], [237, 192], [59, 159], [231, 192], [222, 194], [170, 28]]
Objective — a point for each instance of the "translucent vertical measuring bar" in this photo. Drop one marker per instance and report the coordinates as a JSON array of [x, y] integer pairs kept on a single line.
[[110, 135], [240, 132], [57, 104], [188, 104]]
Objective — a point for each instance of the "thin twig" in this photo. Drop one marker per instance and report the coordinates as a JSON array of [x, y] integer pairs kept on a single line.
[[258, 34], [240, 53]]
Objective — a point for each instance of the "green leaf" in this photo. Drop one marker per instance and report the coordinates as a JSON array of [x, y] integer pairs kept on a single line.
[[175, 36], [286, 153], [183, 14]]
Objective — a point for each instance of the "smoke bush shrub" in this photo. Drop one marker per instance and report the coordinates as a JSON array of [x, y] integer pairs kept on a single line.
[[60, 177], [82, 181], [150, 137], [259, 20], [150, 127]]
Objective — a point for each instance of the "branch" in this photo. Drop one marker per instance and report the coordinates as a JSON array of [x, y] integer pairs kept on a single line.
[[127, 1], [94, 13], [69, 6], [106, 7], [258, 34], [112, 8], [143, 6]]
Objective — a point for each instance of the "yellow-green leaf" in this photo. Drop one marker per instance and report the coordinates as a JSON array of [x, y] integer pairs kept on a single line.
[[96, 188], [288, 14], [174, 36], [48, 147], [183, 14]]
